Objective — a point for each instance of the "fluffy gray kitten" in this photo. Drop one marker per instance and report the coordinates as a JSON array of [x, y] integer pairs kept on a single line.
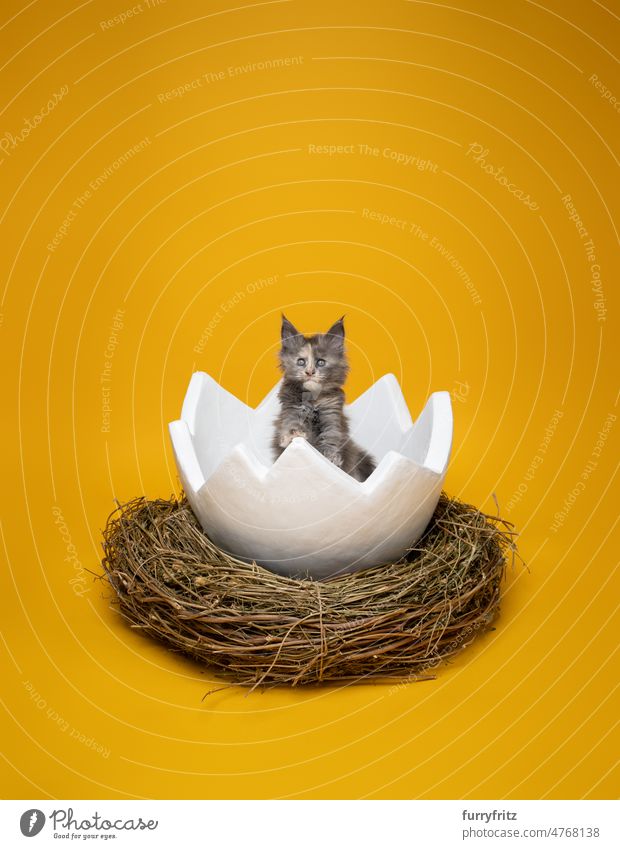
[[312, 398]]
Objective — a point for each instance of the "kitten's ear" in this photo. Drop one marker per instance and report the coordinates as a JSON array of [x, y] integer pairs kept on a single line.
[[335, 334], [288, 330]]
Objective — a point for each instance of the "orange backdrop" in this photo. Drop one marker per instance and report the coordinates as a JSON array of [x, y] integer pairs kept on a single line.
[[173, 176]]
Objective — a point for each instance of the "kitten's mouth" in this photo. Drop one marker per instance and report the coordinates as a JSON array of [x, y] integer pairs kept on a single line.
[[312, 385]]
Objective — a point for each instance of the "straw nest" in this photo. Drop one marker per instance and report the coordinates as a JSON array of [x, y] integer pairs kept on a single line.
[[394, 621]]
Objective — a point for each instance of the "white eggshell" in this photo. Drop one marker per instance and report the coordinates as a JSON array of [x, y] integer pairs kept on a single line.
[[302, 515]]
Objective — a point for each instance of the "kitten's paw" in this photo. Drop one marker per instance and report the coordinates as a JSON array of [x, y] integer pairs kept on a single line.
[[287, 438], [333, 455]]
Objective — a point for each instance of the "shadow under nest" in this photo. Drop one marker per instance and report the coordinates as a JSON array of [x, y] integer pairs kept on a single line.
[[394, 621]]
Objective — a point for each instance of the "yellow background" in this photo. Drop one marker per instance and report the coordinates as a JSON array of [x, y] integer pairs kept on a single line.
[[225, 190]]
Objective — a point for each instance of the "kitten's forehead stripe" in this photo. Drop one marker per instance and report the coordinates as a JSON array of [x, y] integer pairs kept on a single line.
[[307, 353]]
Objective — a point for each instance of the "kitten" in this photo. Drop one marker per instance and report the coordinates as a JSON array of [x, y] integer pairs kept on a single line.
[[312, 398]]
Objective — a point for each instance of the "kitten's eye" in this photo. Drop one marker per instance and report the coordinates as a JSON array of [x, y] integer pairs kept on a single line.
[[320, 362], [301, 361]]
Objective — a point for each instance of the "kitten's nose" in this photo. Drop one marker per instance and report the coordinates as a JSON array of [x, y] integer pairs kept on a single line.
[[309, 372]]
